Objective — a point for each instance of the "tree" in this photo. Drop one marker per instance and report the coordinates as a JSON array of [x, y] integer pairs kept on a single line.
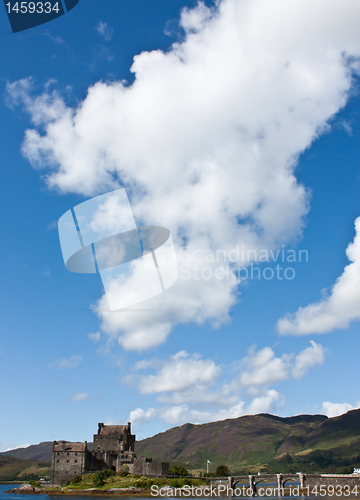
[[178, 470], [222, 470], [100, 476]]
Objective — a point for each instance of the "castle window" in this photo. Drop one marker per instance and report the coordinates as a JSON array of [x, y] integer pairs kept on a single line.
[[58, 453], [75, 453], [67, 461], [57, 461], [68, 453], [76, 461]]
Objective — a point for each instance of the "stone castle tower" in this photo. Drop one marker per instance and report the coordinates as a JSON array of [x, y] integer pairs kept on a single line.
[[113, 446]]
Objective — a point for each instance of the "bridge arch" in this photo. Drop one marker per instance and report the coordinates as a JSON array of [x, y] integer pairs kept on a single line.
[[293, 479], [265, 479], [241, 482]]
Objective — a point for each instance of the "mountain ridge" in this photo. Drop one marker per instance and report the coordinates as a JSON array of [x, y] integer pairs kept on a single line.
[[249, 443]]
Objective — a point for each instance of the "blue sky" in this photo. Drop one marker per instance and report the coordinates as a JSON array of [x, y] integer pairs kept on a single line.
[[233, 131]]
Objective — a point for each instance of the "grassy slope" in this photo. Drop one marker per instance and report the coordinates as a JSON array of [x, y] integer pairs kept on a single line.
[[249, 443], [12, 468], [261, 441], [40, 452]]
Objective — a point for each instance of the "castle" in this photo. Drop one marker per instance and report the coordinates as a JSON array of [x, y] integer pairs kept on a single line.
[[113, 446]]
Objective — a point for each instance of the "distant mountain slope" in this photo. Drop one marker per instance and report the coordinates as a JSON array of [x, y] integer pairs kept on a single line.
[[249, 443], [40, 452], [241, 443], [12, 468]]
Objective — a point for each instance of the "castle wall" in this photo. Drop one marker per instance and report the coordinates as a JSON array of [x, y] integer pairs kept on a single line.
[[146, 467], [113, 438], [95, 461], [68, 460]]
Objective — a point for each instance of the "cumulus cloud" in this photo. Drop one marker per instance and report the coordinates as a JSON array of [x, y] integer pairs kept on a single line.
[[63, 364], [336, 310], [189, 389], [308, 358], [336, 409], [105, 31], [205, 140], [265, 368], [180, 372], [174, 415], [263, 404]]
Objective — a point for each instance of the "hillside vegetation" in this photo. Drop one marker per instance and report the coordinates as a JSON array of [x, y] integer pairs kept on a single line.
[[262, 442], [12, 469], [311, 443]]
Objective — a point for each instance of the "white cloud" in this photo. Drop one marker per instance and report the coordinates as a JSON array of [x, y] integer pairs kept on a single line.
[[336, 310], [179, 373], [79, 396], [265, 368], [105, 30], [263, 404], [63, 364], [206, 140], [336, 409], [308, 358], [189, 389], [175, 415], [139, 415]]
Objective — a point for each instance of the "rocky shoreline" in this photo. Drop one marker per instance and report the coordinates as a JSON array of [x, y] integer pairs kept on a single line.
[[28, 489]]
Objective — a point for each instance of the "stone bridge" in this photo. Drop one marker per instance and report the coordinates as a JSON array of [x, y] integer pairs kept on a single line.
[[304, 481]]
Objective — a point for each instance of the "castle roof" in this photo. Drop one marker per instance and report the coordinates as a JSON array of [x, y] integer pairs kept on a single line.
[[111, 429], [67, 446]]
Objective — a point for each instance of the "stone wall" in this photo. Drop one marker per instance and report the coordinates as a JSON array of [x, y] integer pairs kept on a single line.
[[68, 460], [114, 438], [146, 467]]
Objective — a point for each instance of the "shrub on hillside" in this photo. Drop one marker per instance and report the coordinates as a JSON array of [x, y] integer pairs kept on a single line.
[[76, 479], [178, 470], [179, 482], [100, 477], [144, 482], [222, 470]]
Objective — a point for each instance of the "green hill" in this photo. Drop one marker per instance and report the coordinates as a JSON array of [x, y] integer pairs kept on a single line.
[[262, 442], [12, 469], [311, 443], [41, 452]]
